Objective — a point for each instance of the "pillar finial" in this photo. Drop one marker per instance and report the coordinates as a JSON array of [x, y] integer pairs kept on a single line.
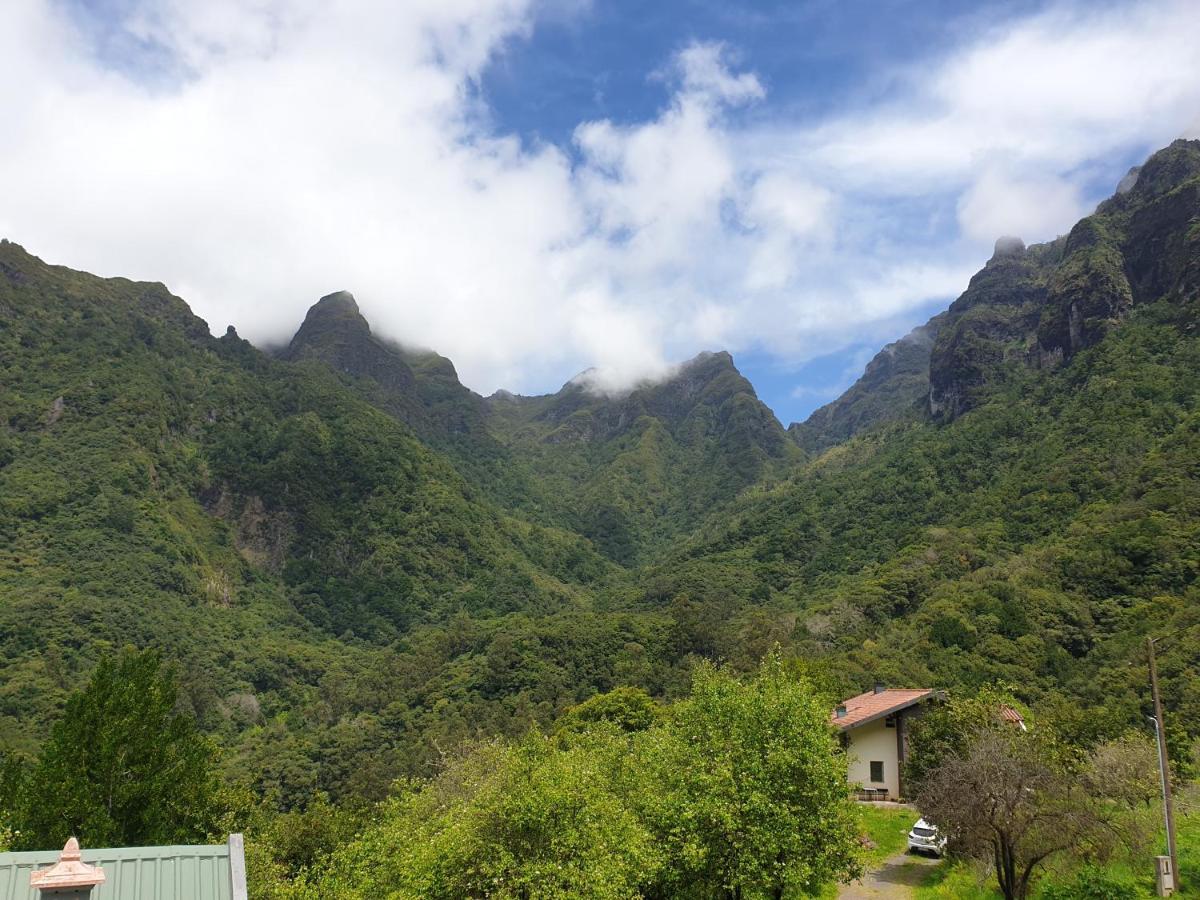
[[69, 872]]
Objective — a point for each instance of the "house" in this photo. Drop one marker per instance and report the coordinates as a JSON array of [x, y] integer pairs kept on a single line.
[[215, 872], [874, 730]]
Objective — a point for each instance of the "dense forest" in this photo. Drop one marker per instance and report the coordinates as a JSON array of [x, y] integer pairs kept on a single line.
[[353, 564]]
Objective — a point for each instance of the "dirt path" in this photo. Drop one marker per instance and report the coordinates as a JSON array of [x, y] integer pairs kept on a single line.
[[895, 878]]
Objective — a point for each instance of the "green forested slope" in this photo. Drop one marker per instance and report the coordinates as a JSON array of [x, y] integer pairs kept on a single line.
[[636, 471], [1039, 518], [1016, 543], [255, 519], [422, 390], [357, 563]]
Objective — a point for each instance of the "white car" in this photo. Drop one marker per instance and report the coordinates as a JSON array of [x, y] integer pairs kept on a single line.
[[924, 838]]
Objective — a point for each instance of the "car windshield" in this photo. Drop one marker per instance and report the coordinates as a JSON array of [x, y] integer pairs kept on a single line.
[[924, 832]]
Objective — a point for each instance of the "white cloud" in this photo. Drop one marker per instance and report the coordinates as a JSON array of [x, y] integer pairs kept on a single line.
[[996, 204], [788, 214], [706, 75], [1044, 94], [285, 148]]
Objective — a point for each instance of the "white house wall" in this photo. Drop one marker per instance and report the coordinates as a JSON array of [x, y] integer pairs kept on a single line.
[[874, 741]]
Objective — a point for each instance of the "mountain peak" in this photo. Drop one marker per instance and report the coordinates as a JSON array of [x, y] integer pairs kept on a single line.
[[1166, 170], [336, 312], [706, 393], [339, 300], [340, 307], [335, 332], [710, 360], [709, 372], [1008, 245]]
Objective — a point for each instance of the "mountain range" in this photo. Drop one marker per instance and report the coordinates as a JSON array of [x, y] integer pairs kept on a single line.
[[355, 561]]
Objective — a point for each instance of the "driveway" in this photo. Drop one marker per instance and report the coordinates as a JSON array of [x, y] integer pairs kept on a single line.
[[895, 878]]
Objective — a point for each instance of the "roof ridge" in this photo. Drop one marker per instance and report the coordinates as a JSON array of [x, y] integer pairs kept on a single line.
[[871, 705]]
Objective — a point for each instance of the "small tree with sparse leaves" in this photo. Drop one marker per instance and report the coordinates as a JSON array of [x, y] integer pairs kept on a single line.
[[1007, 799]]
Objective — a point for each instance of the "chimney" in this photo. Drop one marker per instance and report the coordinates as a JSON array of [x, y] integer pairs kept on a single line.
[[841, 711], [880, 687], [70, 872]]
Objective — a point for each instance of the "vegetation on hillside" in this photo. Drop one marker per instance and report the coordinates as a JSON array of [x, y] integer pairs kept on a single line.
[[357, 567], [737, 791]]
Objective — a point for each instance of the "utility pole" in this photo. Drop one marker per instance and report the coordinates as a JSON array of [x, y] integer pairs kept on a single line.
[[1164, 768]]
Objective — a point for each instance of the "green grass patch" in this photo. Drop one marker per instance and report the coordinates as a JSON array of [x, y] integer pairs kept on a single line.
[[887, 827], [959, 880]]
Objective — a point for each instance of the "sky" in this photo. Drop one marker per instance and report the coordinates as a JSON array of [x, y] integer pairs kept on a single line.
[[535, 188]]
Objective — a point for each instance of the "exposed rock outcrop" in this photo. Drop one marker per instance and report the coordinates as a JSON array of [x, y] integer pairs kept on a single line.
[[335, 332], [1037, 306]]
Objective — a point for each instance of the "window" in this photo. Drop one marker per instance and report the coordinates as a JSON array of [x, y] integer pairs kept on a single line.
[[876, 771], [890, 721]]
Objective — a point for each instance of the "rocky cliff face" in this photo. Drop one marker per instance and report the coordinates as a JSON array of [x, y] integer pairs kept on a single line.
[[1036, 307], [1039, 307], [335, 332], [990, 327], [419, 387]]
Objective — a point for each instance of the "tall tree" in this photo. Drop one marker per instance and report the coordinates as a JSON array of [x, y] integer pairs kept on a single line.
[[948, 728], [530, 821], [123, 767]]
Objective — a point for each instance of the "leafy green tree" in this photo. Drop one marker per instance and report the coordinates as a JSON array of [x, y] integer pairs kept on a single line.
[[1125, 770], [122, 767], [303, 838], [13, 773], [948, 728], [630, 709], [524, 822], [745, 788], [280, 847], [738, 792]]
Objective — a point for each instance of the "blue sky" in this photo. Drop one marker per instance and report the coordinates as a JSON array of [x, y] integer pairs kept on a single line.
[[598, 61], [812, 57], [539, 187]]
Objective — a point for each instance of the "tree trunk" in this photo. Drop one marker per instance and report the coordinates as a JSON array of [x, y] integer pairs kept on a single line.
[[1005, 869]]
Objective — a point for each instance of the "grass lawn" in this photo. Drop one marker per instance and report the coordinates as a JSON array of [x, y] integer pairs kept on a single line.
[[954, 880], [887, 827]]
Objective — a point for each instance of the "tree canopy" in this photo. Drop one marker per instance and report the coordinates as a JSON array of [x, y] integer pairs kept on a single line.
[[738, 791], [123, 766]]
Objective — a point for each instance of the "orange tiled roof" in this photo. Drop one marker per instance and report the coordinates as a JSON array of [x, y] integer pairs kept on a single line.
[[871, 705], [1008, 714]]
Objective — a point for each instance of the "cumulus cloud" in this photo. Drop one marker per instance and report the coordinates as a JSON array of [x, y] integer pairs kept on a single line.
[[256, 154]]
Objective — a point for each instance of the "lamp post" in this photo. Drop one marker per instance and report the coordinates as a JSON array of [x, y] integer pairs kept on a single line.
[[1163, 769]]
